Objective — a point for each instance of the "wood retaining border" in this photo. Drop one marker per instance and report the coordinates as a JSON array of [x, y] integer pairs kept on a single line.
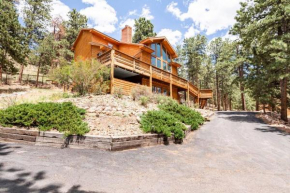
[[114, 143]]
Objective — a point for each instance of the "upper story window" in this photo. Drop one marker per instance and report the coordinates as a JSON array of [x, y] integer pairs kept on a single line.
[[160, 57]]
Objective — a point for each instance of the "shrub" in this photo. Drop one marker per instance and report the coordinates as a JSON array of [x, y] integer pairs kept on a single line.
[[144, 100], [162, 123], [118, 92], [162, 99], [185, 114], [139, 91], [85, 76], [64, 117]]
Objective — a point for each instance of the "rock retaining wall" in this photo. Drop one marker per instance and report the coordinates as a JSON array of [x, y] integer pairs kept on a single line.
[[109, 143]]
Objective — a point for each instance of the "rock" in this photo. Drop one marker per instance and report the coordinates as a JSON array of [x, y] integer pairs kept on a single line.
[[138, 118], [108, 109]]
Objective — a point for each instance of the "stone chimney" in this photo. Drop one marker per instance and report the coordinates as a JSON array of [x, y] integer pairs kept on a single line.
[[127, 34]]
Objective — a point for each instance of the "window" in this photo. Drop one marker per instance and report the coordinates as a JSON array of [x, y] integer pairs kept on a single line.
[[160, 57], [158, 63], [153, 48], [164, 55], [153, 60], [165, 92], [164, 66], [169, 68], [158, 51], [158, 90], [110, 45]]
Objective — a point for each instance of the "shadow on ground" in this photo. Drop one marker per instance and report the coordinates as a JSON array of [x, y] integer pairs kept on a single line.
[[248, 117], [269, 129], [26, 182]]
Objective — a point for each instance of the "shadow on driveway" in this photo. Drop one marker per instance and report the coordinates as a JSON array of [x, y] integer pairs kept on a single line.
[[23, 181], [269, 129], [248, 117]]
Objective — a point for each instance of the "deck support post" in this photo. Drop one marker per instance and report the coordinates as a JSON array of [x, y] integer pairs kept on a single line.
[[112, 71], [150, 78], [198, 99], [171, 96], [187, 94]]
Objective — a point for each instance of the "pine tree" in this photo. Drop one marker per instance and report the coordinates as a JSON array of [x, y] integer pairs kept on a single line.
[[73, 26], [215, 49], [143, 29], [194, 50], [36, 19], [264, 26], [11, 39]]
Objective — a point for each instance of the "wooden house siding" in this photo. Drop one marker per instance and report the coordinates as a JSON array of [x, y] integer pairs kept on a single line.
[[83, 48]]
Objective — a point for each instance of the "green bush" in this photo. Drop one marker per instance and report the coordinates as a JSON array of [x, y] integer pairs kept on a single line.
[[183, 113], [144, 101], [64, 117], [162, 123]]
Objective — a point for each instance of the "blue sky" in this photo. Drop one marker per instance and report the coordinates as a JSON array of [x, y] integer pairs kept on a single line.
[[175, 19]]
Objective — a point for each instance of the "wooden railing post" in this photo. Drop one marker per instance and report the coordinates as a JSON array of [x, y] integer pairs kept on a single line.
[[150, 78], [134, 64], [171, 86], [112, 71]]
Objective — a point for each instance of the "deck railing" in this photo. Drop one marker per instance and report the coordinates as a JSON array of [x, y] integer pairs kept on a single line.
[[130, 63]]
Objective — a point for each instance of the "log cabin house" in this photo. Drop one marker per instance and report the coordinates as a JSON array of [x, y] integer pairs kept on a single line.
[[149, 62]]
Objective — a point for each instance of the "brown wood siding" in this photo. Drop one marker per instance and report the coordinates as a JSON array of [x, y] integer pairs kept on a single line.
[[175, 93], [146, 57], [97, 39], [130, 50], [95, 51], [83, 47], [174, 70], [145, 81], [124, 85]]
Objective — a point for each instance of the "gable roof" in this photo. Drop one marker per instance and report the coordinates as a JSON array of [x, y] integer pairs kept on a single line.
[[110, 39], [164, 40]]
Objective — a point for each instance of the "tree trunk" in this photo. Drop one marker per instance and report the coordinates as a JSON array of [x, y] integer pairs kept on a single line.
[[257, 105], [226, 102], [283, 85], [38, 70], [230, 104], [242, 88], [0, 75], [20, 73], [264, 108], [217, 93]]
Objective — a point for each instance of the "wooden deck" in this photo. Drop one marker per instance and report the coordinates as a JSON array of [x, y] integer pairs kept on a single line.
[[132, 64]]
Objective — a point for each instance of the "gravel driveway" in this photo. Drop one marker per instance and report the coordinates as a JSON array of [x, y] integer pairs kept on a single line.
[[235, 152]]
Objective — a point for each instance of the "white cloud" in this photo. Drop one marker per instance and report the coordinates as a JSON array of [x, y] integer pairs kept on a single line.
[[146, 13], [209, 15], [101, 15], [173, 37], [134, 12], [58, 9], [230, 36], [191, 32]]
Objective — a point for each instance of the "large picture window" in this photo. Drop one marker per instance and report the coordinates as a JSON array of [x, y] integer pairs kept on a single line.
[[160, 54]]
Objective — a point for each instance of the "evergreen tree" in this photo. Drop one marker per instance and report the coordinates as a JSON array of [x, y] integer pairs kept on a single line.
[[215, 49], [263, 25], [194, 50], [143, 29], [36, 19], [11, 39], [73, 26]]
